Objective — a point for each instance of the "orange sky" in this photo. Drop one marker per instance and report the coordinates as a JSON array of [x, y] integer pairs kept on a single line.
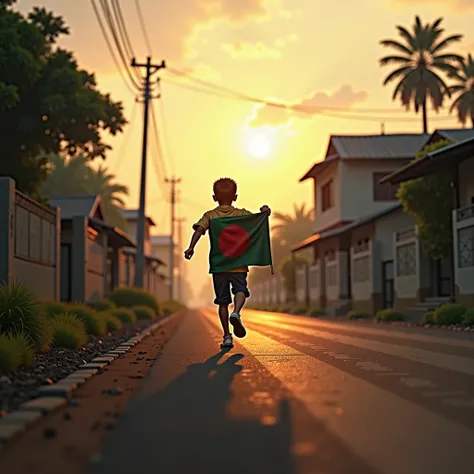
[[310, 51]]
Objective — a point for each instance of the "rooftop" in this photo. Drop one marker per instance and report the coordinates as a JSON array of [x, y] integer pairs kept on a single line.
[[160, 239], [75, 206], [132, 215]]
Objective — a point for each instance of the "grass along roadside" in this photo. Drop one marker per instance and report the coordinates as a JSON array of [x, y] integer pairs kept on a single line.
[[43, 341], [78, 429]]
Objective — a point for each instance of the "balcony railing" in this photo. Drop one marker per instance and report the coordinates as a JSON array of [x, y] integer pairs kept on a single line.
[[465, 213]]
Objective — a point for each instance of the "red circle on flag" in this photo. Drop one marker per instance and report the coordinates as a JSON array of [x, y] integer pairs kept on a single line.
[[233, 241]]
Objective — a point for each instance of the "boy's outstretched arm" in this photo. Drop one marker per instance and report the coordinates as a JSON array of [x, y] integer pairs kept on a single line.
[[198, 233], [266, 209]]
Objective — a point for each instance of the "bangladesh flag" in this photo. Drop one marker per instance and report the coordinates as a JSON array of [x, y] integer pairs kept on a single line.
[[239, 241]]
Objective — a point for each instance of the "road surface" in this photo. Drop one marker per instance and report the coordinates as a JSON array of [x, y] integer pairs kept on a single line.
[[300, 396]]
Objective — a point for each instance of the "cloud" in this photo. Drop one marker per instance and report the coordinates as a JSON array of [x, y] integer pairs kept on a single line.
[[343, 98], [454, 4], [247, 50]]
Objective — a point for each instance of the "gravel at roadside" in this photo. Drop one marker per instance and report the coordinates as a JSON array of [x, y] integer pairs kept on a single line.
[[47, 368]]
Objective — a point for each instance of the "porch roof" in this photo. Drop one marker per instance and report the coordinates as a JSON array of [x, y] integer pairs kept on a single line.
[[115, 236], [436, 161], [151, 258], [341, 230]]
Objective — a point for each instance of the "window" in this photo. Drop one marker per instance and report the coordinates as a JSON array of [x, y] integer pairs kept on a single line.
[[385, 191], [327, 196]]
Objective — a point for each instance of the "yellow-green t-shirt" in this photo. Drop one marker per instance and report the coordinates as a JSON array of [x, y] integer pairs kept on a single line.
[[221, 211]]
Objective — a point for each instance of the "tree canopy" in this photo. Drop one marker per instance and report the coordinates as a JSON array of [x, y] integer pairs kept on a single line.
[[429, 199], [47, 103]]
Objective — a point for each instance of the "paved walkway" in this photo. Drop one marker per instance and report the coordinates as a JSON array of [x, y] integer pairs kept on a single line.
[[300, 396]]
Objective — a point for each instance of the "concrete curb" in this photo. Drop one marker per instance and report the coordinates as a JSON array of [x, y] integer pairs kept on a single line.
[[52, 397]]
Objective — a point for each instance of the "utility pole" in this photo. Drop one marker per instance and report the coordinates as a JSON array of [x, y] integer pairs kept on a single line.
[[173, 181], [140, 255], [180, 221]]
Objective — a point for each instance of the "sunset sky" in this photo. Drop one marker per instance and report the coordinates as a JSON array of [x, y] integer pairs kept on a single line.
[[299, 51]]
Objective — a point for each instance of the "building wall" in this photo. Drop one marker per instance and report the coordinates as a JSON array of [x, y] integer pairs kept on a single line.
[[34, 240], [356, 183], [332, 215], [385, 228], [466, 182], [95, 270]]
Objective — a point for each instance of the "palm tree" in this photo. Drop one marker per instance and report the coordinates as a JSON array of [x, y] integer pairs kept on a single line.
[[419, 60], [292, 228], [66, 176], [100, 181], [464, 88]]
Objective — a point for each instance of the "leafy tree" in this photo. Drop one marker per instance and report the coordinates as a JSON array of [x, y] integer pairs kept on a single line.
[[100, 181], [66, 176], [464, 89], [419, 57], [292, 228], [287, 269], [74, 177], [429, 199], [47, 103]]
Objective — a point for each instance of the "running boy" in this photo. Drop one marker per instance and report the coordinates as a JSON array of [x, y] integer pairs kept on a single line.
[[225, 193]]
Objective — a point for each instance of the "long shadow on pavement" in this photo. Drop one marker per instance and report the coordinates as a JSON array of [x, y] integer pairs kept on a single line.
[[185, 428]]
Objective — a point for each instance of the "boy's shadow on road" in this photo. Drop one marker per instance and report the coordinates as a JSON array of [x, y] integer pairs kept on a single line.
[[185, 428]]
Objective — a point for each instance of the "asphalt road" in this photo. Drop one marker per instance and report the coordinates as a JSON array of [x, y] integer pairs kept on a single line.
[[300, 396]]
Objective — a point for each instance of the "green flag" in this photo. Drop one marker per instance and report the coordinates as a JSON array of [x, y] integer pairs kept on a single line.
[[239, 241]]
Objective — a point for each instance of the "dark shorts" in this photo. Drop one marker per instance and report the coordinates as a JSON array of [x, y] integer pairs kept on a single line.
[[223, 283]]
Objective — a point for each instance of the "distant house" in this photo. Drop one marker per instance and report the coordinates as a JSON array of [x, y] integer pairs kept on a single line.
[[347, 190], [131, 216], [457, 161], [90, 261]]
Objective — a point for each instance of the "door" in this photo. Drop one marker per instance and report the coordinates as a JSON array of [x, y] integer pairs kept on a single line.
[[387, 281], [443, 272]]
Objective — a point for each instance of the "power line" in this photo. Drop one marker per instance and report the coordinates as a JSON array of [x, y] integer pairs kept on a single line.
[[126, 138], [110, 48], [110, 21], [328, 111], [122, 28], [159, 149], [167, 143], [141, 18]]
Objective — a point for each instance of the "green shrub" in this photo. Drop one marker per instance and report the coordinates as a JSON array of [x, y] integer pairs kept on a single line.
[[94, 324], [102, 305], [286, 309], [23, 344], [299, 310], [113, 323], [468, 318], [389, 315], [124, 314], [352, 315], [428, 318], [143, 312], [20, 312], [127, 297], [68, 331], [170, 307], [70, 319], [10, 354], [450, 313], [316, 312], [52, 308]]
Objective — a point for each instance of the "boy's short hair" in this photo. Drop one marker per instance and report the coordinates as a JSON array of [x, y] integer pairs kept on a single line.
[[225, 189]]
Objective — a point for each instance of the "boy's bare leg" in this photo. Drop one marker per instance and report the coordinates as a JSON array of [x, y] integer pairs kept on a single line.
[[239, 301], [224, 317]]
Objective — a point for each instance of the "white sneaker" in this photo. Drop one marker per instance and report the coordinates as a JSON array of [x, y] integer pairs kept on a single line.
[[236, 321], [228, 343]]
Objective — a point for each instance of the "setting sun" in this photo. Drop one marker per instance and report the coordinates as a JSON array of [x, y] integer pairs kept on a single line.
[[258, 145]]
